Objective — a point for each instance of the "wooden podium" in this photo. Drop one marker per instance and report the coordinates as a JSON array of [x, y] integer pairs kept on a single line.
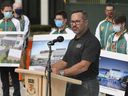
[[36, 83]]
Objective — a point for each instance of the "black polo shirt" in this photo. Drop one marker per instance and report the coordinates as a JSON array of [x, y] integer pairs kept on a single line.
[[87, 47]]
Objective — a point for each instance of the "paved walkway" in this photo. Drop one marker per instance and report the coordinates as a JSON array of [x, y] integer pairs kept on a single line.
[[11, 90]]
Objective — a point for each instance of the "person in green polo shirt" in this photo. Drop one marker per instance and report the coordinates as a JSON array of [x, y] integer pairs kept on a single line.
[[8, 23], [61, 24], [118, 41], [104, 28]]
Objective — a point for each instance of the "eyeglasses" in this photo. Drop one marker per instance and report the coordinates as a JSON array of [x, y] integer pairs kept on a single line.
[[77, 22]]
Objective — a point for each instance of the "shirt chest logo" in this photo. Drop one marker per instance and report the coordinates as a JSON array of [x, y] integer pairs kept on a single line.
[[102, 28], [78, 45]]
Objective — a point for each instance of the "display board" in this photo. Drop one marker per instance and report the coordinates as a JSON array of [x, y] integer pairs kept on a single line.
[[11, 46], [113, 73], [40, 49]]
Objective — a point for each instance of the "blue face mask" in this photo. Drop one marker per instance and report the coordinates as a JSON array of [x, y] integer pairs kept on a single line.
[[7, 15], [59, 23], [19, 11]]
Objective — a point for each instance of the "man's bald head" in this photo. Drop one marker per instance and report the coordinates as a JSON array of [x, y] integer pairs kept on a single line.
[[17, 5]]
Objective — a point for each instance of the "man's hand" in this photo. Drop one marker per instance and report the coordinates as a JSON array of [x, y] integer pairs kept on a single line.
[[55, 71]]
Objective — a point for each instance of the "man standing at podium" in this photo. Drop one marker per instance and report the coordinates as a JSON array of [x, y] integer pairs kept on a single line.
[[81, 61]]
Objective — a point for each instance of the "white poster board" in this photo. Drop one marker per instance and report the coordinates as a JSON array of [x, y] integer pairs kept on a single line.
[[11, 46], [113, 73], [40, 49]]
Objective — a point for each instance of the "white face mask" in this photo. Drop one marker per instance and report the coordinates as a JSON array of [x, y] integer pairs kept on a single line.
[[116, 28]]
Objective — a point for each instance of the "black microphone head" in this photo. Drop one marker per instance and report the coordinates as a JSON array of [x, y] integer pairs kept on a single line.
[[60, 38]]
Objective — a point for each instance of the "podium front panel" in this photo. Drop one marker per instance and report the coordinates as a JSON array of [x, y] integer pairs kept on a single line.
[[33, 85], [36, 83]]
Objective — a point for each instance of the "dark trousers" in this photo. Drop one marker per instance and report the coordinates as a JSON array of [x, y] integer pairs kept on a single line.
[[5, 81], [88, 88]]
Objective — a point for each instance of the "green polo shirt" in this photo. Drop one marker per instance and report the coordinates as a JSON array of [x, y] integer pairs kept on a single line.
[[119, 46], [60, 32], [7, 25], [66, 30]]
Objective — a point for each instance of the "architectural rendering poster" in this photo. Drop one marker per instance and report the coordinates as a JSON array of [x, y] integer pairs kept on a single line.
[[11, 45], [40, 49], [113, 71]]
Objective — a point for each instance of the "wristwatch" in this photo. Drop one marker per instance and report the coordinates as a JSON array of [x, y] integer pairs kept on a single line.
[[61, 72]]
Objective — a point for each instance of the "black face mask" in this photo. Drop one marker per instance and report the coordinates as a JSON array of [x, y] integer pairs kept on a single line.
[[19, 11]]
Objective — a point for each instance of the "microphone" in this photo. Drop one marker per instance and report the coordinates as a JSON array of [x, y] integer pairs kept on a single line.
[[58, 39]]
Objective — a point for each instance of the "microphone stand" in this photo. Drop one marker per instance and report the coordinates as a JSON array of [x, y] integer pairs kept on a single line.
[[48, 68]]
